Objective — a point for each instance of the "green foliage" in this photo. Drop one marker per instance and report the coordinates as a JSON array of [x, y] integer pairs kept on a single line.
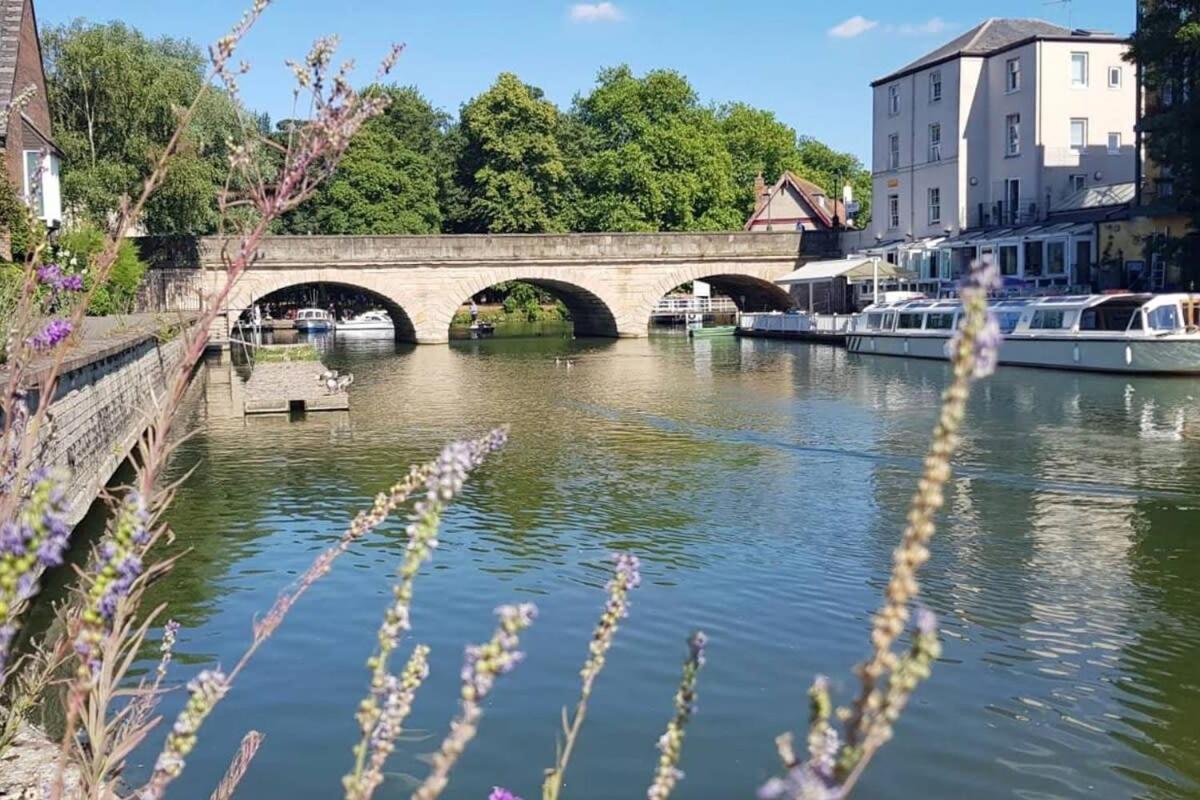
[[390, 179], [509, 165], [15, 218], [1166, 49], [114, 97], [655, 160], [81, 244]]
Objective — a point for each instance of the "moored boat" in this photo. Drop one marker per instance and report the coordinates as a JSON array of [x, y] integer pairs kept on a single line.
[[699, 332], [313, 320], [373, 320], [1126, 333]]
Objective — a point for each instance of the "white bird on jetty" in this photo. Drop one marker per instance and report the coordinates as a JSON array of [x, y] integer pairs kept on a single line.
[[343, 383], [331, 385], [570, 363], [557, 361], [328, 375]]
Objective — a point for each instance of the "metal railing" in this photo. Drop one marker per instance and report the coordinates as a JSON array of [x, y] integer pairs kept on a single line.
[[678, 305], [791, 322], [1001, 213]]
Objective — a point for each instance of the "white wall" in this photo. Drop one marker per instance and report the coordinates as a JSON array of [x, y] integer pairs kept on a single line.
[[973, 113]]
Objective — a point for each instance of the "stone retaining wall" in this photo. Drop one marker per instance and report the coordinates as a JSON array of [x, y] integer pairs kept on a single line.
[[102, 405]]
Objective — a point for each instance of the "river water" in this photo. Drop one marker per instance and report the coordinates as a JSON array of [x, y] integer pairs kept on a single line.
[[764, 485]]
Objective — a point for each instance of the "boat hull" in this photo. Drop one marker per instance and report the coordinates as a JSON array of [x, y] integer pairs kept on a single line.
[[313, 325], [1133, 356]]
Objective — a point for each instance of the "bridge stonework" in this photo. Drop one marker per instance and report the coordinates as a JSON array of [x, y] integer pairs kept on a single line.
[[609, 282]]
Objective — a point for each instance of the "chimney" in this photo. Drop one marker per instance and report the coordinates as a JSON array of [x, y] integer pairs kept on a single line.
[[760, 193]]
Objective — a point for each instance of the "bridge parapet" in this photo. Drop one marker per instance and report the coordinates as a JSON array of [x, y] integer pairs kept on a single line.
[[463, 249]]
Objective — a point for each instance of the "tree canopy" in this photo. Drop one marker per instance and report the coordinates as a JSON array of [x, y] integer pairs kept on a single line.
[[508, 161], [114, 96], [633, 153]]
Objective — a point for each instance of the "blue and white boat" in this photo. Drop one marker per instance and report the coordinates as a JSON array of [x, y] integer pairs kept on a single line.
[[314, 320]]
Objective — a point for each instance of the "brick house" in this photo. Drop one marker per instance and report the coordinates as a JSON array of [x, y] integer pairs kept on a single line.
[[25, 134], [794, 204]]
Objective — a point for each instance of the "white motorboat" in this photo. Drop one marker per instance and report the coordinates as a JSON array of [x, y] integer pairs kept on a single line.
[[313, 320], [1127, 333], [373, 320]]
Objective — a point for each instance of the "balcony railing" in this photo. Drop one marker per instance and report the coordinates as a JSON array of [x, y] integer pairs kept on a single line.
[[1005, 214]]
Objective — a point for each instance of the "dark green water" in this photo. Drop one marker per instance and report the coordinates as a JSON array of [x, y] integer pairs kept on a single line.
[[764, 486]]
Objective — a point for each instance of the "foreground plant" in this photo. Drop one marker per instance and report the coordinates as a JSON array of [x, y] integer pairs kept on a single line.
[[835, 762], [626, 576], [670, 745]]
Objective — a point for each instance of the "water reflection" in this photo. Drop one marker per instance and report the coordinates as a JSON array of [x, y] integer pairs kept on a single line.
[[764, 484]]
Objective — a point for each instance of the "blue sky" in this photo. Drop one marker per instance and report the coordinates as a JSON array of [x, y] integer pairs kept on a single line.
[[809, 62]]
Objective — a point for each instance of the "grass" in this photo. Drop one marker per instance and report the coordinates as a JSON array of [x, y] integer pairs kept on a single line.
[[274, 353]]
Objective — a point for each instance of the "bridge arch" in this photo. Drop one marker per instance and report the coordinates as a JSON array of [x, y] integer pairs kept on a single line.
[[591, 312], [751, 290], [260, 288]]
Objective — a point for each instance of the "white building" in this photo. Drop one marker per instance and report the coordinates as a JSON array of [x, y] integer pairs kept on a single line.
[[999, 129]]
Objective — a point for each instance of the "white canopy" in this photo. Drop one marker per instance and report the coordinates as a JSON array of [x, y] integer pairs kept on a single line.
[[851, 268]]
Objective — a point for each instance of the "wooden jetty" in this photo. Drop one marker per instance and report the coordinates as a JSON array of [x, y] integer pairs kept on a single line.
[[285, 386]]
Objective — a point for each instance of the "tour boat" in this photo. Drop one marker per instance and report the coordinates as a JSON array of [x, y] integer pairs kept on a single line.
[[1127, 333], [313, 320], [373, 320]]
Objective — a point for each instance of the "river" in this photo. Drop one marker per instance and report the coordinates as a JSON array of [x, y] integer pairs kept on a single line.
[[764, 485]]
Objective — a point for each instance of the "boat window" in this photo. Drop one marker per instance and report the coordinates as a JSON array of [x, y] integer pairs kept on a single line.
[[911, 322], [874, 321], [1045, 319], [1135, 324], [1107, 318], [1164, 318], [939, 322], [1008, 320], [889, 320]]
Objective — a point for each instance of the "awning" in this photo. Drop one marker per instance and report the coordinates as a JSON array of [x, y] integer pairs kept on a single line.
[[853, 268], [1047, 230]]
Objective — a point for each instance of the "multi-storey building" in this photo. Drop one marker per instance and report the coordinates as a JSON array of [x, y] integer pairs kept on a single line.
[[30, 156], [997, 130]]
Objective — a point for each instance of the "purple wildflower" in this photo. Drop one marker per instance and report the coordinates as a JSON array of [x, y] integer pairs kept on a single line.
[[71, 283], [49, 275], [983, 278], [29, 542], [801, 783], [926, 621], [628, 567], [51, 336], [500, 793]]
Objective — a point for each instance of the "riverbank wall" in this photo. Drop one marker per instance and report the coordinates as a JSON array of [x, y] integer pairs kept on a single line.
[[108, 385]]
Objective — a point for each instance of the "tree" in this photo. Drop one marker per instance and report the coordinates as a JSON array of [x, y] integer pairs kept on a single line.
[[655, 159], [113, 97], [380, 187], [508, 162], [760, 143], [1166, 49], [391, 177], [829, 168]]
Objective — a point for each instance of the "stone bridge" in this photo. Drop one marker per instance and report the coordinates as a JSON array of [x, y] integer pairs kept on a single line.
[[610, 282]]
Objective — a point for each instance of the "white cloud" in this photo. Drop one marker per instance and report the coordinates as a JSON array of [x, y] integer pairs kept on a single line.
[[855, 26], [931, 26], [596, 12]]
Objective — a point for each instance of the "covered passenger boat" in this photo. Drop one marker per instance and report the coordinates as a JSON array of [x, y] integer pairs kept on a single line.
[[1127, 333]]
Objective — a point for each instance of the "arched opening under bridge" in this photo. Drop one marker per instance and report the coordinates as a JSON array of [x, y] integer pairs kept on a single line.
[[522, 302], [717, 298], [343, 300]]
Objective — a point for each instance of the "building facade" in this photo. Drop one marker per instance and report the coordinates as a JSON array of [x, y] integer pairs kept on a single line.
[[30, 155], [999, 129], [795, 204]]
